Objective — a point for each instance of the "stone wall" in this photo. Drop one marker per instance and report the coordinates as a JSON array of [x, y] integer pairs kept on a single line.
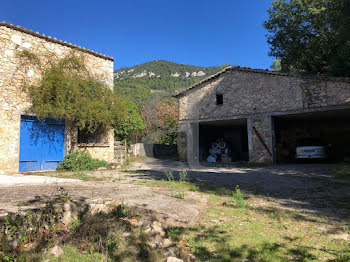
[[243, 93], [14, 102], [260, 139], [247, 93], [255, 96]]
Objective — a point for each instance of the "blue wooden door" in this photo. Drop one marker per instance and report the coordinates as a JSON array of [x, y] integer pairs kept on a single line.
[[41, 144]]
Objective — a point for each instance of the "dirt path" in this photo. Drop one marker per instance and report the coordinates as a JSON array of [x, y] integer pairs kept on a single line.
[[156, 199], [309, 188], [312, 188]]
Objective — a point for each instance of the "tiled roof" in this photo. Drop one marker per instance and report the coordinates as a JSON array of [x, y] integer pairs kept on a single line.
[[266, 72], [54, 40]]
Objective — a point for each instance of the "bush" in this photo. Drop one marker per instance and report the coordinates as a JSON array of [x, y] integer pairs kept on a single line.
[[79, 160]]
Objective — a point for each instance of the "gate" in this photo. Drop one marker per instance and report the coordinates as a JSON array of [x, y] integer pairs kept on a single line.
[[41, 143]]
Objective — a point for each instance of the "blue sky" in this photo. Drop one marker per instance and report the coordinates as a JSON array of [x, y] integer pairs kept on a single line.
[[197, 32]]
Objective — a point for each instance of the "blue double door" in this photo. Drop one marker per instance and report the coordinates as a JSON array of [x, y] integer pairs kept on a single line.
[[41, 143]]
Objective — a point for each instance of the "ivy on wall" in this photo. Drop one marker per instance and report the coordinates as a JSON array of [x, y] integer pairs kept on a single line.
[[67, 90]]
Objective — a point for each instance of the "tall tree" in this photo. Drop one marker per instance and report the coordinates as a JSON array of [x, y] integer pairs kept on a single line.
[[310, 36]]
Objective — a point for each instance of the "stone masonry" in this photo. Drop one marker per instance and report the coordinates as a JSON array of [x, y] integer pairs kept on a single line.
[[257, 96], [14, 102]]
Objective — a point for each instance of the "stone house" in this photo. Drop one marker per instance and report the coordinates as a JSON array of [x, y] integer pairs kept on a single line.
[[262, 115], [24, 142]]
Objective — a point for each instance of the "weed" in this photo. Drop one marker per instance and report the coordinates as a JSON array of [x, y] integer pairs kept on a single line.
[[174, 233], [182, 176], [169, 175], [180, 195], [194, 188], [346, 229], [238, 198]]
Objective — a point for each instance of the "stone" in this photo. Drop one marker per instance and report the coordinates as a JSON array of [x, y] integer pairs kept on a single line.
[[56, 251], [153, 244], [133, 222], [157, 228], [173, 259], [17, 39], [13, 244], [95, 209], [167, 243]]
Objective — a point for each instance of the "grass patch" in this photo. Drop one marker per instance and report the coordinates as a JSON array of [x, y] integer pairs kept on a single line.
[[256, 229], [72, 254]]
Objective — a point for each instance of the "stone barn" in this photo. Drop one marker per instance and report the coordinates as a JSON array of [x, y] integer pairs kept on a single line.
[[261, 116], [25, 142]]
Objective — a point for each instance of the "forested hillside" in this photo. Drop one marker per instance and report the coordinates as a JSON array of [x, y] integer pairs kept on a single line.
[[158, 78]]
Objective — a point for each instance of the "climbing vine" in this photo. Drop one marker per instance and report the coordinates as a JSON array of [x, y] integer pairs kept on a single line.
[[67, 90]]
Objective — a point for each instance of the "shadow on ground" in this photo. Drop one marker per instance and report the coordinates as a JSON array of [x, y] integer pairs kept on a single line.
[[306, 187]]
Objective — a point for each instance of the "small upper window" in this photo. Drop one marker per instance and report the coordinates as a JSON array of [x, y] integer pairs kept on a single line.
[[219, 99]]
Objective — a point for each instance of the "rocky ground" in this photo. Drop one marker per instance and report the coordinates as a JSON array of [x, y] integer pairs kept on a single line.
[[311, 187], [313, 193]]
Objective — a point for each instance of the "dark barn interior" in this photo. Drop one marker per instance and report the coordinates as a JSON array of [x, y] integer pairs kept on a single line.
[[330, 129], [231, 135]]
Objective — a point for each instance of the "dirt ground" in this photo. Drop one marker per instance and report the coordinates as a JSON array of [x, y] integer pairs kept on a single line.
[[312, 188]]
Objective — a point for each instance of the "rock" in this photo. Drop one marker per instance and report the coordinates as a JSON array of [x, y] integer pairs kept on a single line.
[[113, 203], [67, 219], [133, 222], [13, 244], [98, 208], [56, 251], [157, 228], [67, 207], [167, 243], [153, 244], [173, 259], [192, 257]]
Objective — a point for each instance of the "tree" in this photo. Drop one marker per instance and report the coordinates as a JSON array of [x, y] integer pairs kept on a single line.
[[276, 65], [68, 91], [167, 113], [130, 123], [310, 36]]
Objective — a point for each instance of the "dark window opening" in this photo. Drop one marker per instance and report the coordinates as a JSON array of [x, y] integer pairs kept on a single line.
[[86, 137], [219, 99]]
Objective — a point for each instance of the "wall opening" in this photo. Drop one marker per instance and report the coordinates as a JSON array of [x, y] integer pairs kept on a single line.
[[223, 141], [329, 131], [219, 99]]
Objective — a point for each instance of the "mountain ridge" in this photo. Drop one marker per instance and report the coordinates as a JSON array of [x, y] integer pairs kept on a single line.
[[158, 78]]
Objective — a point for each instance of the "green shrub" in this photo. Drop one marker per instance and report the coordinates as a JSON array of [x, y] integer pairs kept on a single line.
[[79, 160], [238, 198]]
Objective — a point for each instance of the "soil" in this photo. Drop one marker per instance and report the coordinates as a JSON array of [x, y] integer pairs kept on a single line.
[[312, 188]]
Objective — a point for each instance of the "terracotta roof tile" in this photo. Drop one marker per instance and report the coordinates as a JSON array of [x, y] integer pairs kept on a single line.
[[55, 40]]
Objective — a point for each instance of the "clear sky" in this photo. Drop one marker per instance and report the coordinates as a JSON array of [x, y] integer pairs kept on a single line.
[[197, 32]]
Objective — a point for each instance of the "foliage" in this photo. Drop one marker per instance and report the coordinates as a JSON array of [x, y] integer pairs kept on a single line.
[[311, 36], [167, 113], [238, 198], [80, 160], [22, 229], [68, 91], [276, 65], [150, 86], [157, 79], [169, 175], [130, 123], [183, 176]]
